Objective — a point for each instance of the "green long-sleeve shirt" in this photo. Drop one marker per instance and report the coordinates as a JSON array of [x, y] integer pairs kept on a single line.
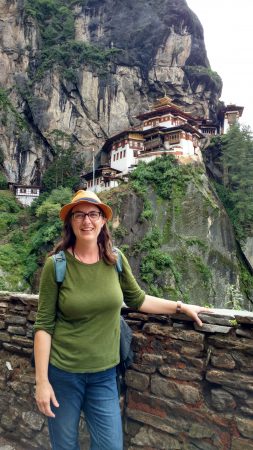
[[85, 321]]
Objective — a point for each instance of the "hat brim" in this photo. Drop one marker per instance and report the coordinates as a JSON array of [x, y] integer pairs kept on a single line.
[[67, 208]]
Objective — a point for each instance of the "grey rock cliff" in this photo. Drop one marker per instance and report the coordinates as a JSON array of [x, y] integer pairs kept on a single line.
[[161, 49]]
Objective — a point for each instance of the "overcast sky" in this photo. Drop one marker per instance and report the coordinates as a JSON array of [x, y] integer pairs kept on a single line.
[[228, 38]]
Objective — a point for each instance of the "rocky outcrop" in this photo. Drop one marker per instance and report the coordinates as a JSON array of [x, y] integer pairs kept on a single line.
[[195, 233], [161, 51]]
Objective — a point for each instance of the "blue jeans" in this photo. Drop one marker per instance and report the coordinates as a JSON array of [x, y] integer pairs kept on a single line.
[[96, 395]]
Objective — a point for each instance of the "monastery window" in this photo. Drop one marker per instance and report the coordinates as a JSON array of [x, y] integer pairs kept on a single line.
[[114, 157], [117, 156], [33, 191], [22, 190], [174, 137], [124, 153], [120, 155]]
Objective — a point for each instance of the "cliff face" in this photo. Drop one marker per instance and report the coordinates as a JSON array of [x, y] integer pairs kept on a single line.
[[204, 265], [159, 49]]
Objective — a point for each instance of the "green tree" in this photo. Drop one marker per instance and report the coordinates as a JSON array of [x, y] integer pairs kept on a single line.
[[237, 189], [67, 166]]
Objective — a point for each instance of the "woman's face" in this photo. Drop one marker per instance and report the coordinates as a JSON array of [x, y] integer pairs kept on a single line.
[[86, 228]]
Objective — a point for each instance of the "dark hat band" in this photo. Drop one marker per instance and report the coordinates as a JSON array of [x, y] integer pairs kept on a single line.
[[87, 199]]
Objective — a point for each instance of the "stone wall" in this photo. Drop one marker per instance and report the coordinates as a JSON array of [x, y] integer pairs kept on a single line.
[[188, 389]]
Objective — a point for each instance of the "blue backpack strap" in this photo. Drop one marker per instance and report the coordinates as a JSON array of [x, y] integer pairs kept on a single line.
[[59, 266], [119, 266]]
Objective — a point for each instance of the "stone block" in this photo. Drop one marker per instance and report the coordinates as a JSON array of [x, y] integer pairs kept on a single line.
[[236, 392], [16, 330], [19, 387], [231, 379], [143, 368], [4, 304], [185, 348], [22, 341], [34, 420], [186, 374], [231, 343], [139, 316], [4, 337], [223, 361], [241, 444], [147, 437], [16, 320], [222, 400], [244, 361], [245, 426], [137, 380], [244, 317], [30, 444], [32, 316], [157, 329], [152, 359], [217, 319], [149, 419], [12, 348], [211, 328], [200, 432], [2, 325], [184, 392], [245, 332]]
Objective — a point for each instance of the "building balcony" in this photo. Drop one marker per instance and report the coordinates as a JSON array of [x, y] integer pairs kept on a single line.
[[154, 143]]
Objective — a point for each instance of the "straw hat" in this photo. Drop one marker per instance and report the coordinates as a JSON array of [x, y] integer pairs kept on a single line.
[[85, 197]]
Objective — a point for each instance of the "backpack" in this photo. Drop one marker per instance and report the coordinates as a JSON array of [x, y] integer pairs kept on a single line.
[[126, 353]]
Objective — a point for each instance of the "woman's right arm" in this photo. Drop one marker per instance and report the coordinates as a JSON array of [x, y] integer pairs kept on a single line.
[[44, 390], [44, 329]]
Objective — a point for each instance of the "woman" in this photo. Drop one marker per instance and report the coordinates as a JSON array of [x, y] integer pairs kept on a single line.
[[77, 332]]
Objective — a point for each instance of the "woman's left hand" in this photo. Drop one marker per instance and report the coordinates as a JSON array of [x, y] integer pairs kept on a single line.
[[193, 311]]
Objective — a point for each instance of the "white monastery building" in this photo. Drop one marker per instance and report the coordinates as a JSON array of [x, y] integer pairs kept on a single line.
[[166, 129]]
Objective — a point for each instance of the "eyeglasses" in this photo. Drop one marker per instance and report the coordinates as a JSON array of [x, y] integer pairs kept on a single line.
[[79, 216]]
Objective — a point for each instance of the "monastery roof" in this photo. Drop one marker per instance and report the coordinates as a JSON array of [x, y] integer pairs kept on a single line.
[[163, 106], [99, 171], [118, 136], [232, 108], [165, 130]]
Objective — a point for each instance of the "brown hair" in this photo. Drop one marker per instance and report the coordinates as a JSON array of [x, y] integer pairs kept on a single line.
[[104, 241]]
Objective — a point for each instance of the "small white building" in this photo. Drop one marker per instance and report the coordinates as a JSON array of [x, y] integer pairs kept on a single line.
[[25, 194], [101, 179]]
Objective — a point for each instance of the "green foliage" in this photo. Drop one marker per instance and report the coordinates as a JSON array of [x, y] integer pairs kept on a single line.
[[202, 72], [67, 166], [155, 264], [14, 246], [167, 177], [203, 270], [120, 232], [152, 240], [236, 191], [196, 241], [47, 228], [56, 22], [3, 181], [8, 111]]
